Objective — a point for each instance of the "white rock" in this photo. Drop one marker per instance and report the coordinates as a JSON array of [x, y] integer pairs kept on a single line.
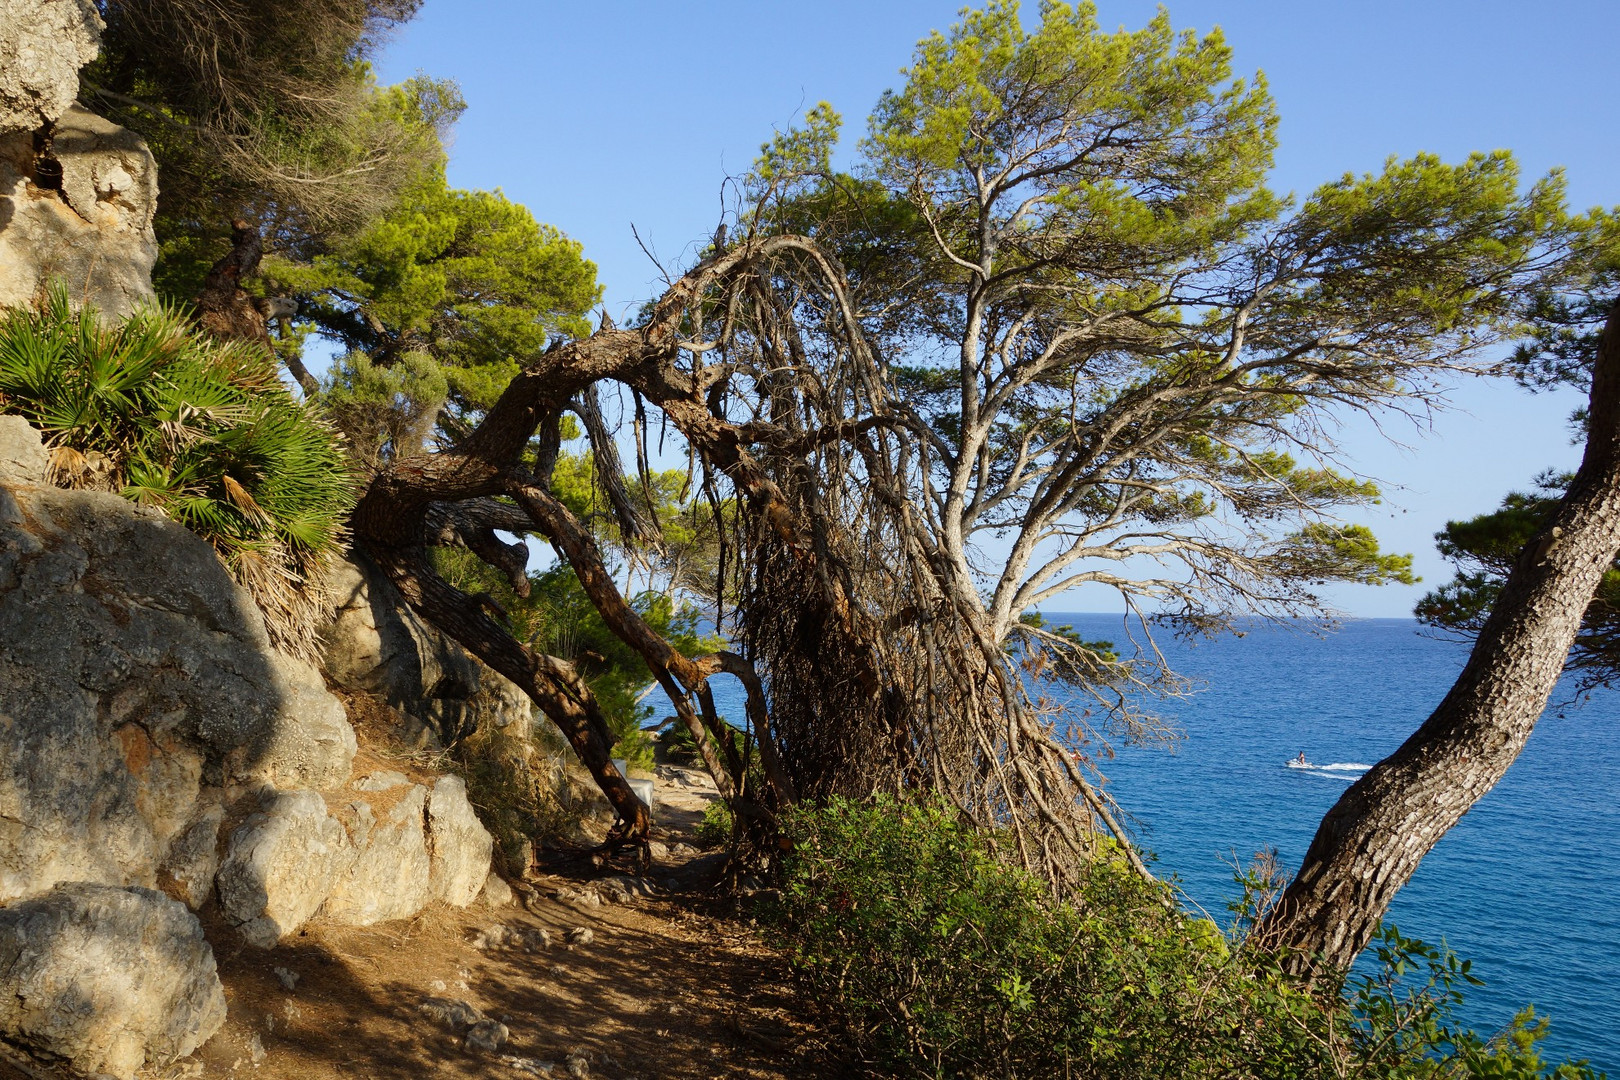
[[23, 457], [133, 668], [460, 846], [496, 892], [43, 43], [280, 866], [382, 780], [188, 869], [388, 879], [111, 979], [94, 231]]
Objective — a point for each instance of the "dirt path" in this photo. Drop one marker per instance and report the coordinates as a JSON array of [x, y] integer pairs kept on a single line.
[[656, 982]]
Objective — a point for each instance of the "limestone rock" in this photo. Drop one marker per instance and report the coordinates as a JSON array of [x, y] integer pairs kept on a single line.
[[89, 227], [280, 865], [451, 1012], [389, 877], [381, 780], [187, 873], [378, 645], [487, 1036], [137, 686], [496, 892], [460, 845], [43, 44], [23, 457], [310, 743], [111, 979]]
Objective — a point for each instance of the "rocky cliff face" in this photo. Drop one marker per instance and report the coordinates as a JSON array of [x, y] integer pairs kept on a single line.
[[42, 48], [138, 687], [77, 193], [157, 753], [151, 738]]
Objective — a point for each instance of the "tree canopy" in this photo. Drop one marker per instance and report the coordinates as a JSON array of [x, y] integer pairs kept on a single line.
[[1564, 319]]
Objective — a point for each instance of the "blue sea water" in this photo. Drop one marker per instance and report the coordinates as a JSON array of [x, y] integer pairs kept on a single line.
[[1527, 885]]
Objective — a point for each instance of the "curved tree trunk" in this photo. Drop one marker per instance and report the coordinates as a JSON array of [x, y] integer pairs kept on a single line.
[[1372, 840]]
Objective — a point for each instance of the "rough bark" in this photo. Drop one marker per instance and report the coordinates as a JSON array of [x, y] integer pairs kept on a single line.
[[1373, 838], [224, 308]]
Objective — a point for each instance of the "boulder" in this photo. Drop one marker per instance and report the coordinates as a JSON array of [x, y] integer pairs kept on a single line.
[[79, 212], [23, 456], [137, 686], [496, 892], [111, 979], [377, 645], [459, 845], [388, 878], [43, 44], [280, 864], [187, 873]]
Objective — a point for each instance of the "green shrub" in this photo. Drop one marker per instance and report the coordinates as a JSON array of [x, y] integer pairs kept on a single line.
[[946, 962], [200, 429], [715, 828]]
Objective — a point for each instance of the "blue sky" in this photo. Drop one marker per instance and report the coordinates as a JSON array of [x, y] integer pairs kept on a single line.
[[606, 115]]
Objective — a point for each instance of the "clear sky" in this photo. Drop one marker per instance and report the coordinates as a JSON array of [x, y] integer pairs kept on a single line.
[[600, 116]]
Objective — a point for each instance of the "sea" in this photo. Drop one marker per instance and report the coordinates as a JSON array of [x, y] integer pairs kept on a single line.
[[1526, 886]]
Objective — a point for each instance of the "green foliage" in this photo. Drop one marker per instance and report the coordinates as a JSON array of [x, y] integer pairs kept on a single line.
[[716, 826], [1110, 333], [1323, 552], [203, 430], [947, 962], [384, 412], [1484, 550], [558, 618], [468, 278], [266, 110]]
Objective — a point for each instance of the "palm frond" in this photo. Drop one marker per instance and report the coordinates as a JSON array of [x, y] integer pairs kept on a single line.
[[203, 430]]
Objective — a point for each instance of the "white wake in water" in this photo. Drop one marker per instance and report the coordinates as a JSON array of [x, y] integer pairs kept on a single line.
[[1342, 770]]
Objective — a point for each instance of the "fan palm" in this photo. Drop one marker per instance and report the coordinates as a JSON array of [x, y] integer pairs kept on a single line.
[[203, 430]]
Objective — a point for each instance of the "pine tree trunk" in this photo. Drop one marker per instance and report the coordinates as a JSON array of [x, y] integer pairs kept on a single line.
[[1373, 838]]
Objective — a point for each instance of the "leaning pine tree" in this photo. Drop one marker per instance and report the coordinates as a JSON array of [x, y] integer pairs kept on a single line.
[[1053, 303]]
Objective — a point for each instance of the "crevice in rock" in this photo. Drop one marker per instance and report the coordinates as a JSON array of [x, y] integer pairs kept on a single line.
[[47, 169]]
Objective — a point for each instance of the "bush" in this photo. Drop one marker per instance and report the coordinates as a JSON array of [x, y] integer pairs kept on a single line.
[[200, 429], [945, 961], [716, 826]]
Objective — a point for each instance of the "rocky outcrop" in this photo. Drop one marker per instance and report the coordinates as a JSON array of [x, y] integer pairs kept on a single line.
[[281, 865], [111, 979], [358, 866], [459, 844], [377, 645], [77, 192], [23, 456], [43, 44], [138, 690]]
